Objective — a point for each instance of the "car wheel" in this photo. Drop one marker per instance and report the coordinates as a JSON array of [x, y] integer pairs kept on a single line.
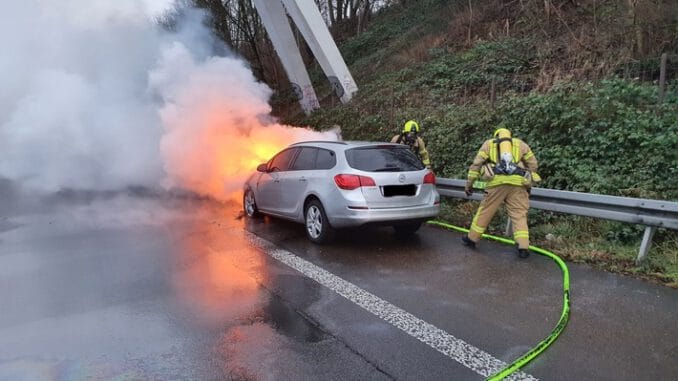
[[249, 204], [318, 228], [407, 229]]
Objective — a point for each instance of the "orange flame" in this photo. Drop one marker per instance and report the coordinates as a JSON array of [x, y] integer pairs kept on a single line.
[[219, 160]]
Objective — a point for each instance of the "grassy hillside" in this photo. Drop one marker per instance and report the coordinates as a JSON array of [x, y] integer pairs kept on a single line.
[[576, 80]]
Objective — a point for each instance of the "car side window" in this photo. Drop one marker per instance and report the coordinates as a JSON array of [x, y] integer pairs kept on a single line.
[[281, 161], [305, 160], [326, 159]]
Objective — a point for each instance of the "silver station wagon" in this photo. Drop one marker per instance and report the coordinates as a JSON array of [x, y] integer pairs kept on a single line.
[[332, 185]]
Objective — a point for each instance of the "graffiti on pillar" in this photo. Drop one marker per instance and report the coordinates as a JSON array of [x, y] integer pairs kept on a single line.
[[350, 86], [296, 90], [311, 99], [336, 85]]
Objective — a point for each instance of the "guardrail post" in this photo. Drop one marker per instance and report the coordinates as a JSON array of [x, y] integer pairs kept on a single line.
[[645, 244]]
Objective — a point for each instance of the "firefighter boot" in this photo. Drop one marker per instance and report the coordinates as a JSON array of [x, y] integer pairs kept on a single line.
[[523, 253], [468, 242]]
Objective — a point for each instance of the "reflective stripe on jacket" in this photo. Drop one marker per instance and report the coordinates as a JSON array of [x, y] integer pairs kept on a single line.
[[522, 156], [494, 158]]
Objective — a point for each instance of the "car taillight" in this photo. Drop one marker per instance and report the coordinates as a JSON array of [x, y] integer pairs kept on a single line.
[[350, 182], [430, 178]]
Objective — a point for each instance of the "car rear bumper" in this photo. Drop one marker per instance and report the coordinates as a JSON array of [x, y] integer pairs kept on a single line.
[[357, 217]]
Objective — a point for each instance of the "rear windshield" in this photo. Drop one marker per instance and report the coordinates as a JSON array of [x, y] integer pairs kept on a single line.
[[383, 159]]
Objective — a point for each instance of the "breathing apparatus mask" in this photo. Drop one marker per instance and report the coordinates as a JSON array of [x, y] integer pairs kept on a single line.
[[409, 133], [410, 138]]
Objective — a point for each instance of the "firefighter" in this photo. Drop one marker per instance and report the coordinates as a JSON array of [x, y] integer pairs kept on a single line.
[[510, 168], [410, 136]]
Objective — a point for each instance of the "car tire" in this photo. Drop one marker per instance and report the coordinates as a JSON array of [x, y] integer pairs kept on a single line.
[[249, 204], [407, 229], [318, 228]]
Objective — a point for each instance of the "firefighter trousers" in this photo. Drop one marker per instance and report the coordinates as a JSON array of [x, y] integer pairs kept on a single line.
[[517, 203]]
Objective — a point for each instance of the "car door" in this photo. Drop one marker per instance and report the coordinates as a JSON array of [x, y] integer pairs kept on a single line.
[[269, 186], [295, 181]]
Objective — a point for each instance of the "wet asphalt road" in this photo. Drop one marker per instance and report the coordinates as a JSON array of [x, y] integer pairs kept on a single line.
[[134, 286]]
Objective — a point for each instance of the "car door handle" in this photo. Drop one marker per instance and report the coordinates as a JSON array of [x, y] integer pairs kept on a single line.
[[302, 179], [276, 181]]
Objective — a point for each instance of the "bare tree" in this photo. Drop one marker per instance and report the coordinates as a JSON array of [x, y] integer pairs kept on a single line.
[[220, 20], [634, 21]]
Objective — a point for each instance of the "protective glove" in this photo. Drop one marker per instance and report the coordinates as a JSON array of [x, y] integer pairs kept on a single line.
[[468, 189], [535, 177]]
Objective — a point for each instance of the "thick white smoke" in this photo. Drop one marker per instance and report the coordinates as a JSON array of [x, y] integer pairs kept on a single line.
[[95, 96], [74, 108], [217, 123]]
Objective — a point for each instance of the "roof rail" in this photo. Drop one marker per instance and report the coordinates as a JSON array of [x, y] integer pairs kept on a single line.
[[319, 141]]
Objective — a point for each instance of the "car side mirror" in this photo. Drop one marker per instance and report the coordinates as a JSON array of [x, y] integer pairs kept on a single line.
[[261, 167]]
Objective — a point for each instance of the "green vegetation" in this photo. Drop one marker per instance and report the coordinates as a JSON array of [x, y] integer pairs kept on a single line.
[[572, 86]]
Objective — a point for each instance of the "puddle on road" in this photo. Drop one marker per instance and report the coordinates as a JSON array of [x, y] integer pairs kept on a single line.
[[270, 348], [218, 279], [290, 323]]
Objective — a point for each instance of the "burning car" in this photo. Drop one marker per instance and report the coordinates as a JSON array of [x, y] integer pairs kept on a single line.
[[331, 185]]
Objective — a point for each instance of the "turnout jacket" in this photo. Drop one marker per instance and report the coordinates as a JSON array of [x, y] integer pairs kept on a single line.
[[522, 156], [418, 147]]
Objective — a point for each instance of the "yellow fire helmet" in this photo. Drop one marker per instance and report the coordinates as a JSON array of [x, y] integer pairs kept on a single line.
[[411, 126], [502, 132]]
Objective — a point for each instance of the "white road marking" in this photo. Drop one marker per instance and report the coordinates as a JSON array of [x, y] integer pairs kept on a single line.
[[466, 354]]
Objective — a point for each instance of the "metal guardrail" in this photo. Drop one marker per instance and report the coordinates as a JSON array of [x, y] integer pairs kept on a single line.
[[651, 213]]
